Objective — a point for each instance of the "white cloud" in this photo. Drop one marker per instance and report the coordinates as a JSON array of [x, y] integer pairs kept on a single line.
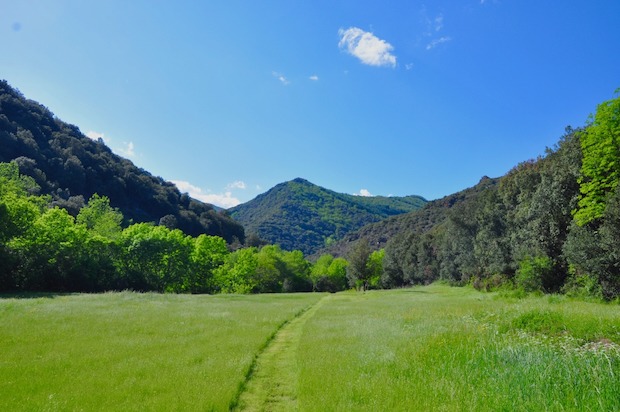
[[129, 151], [281, 78], [409, 66], [95, 136], [364, 193], [236, 185], [258, 187], [436, 42], [314, 77], [224, 200], [367, 47]]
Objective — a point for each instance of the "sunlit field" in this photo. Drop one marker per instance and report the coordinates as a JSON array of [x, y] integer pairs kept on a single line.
[[427, 348], [129, 351], [441, 348]]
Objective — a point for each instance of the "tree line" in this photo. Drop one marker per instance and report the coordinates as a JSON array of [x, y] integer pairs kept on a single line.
[[551, 224], [44, 248]]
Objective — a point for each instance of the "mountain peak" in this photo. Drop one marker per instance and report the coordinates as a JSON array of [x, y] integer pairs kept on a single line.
[[299, 215]]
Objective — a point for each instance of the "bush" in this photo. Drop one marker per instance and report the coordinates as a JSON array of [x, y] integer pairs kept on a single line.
[[533, 272]]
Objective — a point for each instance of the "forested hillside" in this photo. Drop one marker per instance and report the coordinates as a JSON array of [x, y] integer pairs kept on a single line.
[[550, 224], [299, 215], [520, 229], [71, 168], [423, 220]]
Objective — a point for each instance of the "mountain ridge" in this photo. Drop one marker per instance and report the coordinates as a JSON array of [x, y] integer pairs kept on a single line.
[[298, 214], [71, 167]]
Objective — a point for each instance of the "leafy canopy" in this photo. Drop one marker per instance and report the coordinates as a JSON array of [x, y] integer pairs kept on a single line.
[[600, 168]]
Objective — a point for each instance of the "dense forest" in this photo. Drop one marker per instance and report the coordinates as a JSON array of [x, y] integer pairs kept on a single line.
[[44, 248], [72, 167], [550, 224], [299, 215]]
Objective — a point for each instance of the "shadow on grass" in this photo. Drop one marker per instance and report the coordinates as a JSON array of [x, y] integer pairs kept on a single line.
[[33, 295]]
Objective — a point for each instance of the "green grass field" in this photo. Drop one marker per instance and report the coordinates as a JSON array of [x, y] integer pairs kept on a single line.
[[128, 351], [453, 349], [430, 348]]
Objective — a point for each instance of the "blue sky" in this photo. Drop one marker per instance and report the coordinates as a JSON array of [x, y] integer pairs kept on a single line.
[[229, 98]]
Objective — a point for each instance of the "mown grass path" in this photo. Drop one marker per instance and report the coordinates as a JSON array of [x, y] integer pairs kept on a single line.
[[272, 385]]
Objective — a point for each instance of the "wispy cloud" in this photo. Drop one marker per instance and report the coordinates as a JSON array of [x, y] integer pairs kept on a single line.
[[433, 25], [409, 66], [95, 136], [236, 185], [314, 77], [280, 77], [364, 193], [224, 200], [438, 22], [437, 41], [128, 151], [258, 187], [367, 47]]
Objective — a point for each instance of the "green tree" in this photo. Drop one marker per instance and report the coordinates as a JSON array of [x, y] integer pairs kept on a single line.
[[269, 271], [156, 258], [53, 254], [358, 272], [329, 274], [238, 273], [375, 266], [600, 169], [209, 253], [321, 267], [100, 218], [296, 273], [337, 274]]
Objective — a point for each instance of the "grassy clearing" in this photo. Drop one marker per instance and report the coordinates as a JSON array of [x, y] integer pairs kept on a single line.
[[441, 348], [128, 351], [431, 348]]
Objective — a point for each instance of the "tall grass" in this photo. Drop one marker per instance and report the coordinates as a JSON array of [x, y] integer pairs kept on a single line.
[[441, 348], [129, 351]]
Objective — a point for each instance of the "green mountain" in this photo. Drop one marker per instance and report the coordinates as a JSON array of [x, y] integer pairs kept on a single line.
[[299, 215], [432, 214], [72, 167]]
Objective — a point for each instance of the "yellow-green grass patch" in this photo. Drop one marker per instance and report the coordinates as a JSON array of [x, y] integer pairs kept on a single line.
[[131, 351]]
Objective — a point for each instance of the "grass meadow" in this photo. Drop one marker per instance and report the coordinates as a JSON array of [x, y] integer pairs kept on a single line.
[[134, 352], [456, 349], [423, 349]]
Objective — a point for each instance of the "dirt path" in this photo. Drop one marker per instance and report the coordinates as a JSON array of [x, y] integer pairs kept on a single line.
[[273, 383]]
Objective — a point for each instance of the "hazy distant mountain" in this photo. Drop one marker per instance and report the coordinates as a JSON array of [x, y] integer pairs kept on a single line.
[[432, 214], [72, 167], [299, 215]]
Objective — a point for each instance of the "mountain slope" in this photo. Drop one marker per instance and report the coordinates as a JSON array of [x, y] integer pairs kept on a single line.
[[299, 215], [432, 214], [71, 168]]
